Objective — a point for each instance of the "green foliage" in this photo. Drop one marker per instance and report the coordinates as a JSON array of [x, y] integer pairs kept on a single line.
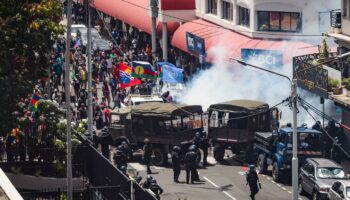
[[59, 145], [346, 83], [324, 48], [333, 83], [28, 30]]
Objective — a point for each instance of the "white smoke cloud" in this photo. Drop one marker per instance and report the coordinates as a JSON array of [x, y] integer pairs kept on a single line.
[[228, 80]]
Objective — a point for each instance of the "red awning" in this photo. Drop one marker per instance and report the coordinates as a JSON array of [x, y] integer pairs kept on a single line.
[[132, 12], [215, 35], [178, 5]]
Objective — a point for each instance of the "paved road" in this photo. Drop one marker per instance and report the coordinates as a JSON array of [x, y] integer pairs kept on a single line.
[[217, 181]]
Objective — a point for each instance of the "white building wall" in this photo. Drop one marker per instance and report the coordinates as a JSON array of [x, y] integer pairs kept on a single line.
[[309, 9]]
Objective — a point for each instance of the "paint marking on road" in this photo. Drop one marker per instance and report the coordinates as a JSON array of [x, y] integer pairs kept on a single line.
[[211, 160], [137, 166], [289, 192], [283, 188], [226, 193], [268, 178], [279, 185], [158, 168], [273, 182]]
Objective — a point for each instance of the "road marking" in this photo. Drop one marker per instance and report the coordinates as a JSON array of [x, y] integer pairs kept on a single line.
[[226, 193], [211, 160], [273, 182], [283, 188], [137, 166], [158, 168], [268, 178], [289, 192], [279, 185]]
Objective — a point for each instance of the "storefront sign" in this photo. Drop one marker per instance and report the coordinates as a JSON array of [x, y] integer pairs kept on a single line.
[[263, 58], [195, 44]]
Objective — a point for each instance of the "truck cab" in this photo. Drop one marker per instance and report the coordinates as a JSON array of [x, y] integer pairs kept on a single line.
[[275, 148], [164, 124]]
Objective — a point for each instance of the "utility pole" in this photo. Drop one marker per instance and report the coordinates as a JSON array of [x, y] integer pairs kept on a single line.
[[154, 10], [90, 115], [295, 165], [67, 91]]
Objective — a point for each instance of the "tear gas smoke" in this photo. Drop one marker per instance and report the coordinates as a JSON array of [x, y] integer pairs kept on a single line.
[[228, 80]]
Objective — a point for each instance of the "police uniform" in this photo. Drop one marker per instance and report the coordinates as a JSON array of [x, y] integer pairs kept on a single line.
[[176, 162], [252, 181], [190, 159], [147, 149]]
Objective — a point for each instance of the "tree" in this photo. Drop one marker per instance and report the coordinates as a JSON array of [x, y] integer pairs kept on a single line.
[[28, 30]]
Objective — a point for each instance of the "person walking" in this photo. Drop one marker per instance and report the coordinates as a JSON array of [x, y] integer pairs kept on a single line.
[[176, 162], [147, 155], [190, 160], [253, 181], [106, 93]]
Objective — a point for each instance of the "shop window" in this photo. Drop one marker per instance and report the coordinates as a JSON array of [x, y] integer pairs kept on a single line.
[[244, 16], [227, 10], [212, 6], [279, 21]]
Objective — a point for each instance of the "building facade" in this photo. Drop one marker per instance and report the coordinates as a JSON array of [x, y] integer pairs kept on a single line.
[[280, 19]]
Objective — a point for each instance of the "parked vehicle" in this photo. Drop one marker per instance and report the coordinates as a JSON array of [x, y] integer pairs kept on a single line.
[[275, 148], [134, 99], [340, 190], [164, 124], [232, 124], [318, 175]]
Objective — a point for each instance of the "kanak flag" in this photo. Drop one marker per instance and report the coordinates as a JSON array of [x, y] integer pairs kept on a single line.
[[125, 76]]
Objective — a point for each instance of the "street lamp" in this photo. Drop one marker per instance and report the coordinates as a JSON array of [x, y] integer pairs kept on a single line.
[[293, 83]]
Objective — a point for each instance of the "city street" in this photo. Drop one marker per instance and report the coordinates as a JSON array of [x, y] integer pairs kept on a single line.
[[224, 181]]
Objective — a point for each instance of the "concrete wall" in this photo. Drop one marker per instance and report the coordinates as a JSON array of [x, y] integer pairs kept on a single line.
[[310, 10]]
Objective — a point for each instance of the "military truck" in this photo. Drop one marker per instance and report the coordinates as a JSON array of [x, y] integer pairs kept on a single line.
[[232, 124], [164, 124], [275, 149]]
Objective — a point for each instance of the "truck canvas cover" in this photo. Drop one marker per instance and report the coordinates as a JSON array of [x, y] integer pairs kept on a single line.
[[166, 110], [240, 106]]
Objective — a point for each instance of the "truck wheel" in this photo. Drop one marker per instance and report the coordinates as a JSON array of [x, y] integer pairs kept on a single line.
[[276, 173], [261, 165], [160, 158], [219, 152], [236, 149], [300, 188]]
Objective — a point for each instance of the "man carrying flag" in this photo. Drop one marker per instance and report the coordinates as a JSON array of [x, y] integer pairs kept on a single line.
[[35, 100]]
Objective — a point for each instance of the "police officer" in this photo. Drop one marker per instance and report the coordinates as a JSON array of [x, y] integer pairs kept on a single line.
[[197, 140], [151, 184], [190, 160], [120, 159], [147, 154], [127, 151], [205, 147], [176, 161], [253, 181], [105, 140]]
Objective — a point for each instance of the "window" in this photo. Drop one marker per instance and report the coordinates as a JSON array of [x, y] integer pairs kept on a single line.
[[244, 16], [345, 8], [212, 6], [331, 173], [227, 10], [279, 21]]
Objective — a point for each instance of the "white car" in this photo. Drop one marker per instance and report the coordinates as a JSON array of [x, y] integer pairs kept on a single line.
[[134, 100], [340, 190]]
